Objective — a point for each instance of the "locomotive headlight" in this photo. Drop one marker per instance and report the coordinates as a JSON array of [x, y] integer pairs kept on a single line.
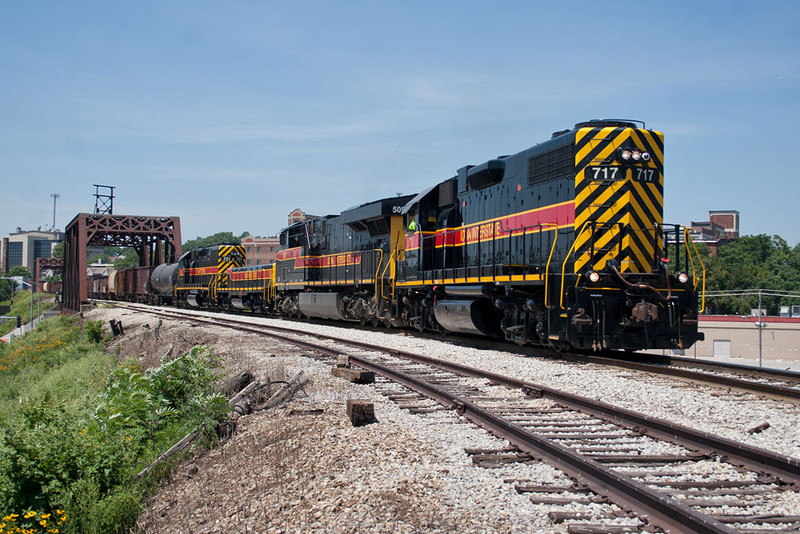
[[625, 155], [594, 277], [645, 156], [636, 155], [682, 277]]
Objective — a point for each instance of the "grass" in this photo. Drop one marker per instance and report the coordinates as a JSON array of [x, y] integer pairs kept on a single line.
[[77, 426], [22, 307]]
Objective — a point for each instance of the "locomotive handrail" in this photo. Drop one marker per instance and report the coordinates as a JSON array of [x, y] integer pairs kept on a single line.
[[269, 286], [686, 240], [392, 279], [549, 258], [378, 268], [564, 265]]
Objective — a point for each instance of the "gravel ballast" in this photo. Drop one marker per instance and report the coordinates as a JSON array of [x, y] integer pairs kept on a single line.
[[407, 473]]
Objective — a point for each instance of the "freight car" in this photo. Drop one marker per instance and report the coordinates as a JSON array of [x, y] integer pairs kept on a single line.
[[561, 245]]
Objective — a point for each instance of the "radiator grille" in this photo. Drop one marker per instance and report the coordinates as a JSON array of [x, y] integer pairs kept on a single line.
[[554, 164]]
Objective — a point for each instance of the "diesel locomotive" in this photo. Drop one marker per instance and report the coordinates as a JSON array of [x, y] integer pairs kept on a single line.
[[561, 245]]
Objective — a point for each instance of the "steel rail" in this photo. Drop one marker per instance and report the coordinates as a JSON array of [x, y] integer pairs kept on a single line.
[[667, 369], [624, 491], [784, 467]]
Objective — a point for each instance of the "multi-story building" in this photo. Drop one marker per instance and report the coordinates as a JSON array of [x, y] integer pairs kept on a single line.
[[722, 227], [297, 215], [728, 220], [23, 248], [260, 250]]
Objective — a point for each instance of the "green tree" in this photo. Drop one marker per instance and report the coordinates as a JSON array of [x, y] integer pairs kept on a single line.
[[220, 238], [19, 270], [751, 262], [58, 251], [5, 290], [129, 259]]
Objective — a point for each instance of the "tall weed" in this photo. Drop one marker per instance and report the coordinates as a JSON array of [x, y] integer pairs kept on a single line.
[[76, 430]]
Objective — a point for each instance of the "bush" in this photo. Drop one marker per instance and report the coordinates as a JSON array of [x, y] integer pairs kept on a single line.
[[94, 331], [71, 451]]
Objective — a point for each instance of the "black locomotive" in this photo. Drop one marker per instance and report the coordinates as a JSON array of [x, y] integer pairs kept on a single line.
[[561, 245]]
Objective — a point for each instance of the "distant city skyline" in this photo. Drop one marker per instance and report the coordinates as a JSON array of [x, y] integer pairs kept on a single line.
[[230, 116]]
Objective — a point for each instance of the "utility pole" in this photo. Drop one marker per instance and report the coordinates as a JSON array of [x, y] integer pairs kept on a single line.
[[55, 197]]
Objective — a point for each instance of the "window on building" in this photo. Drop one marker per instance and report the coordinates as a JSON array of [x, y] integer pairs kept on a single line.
[[249, 262], [14, 254], [41, 249], [249, 249], [258, 262], [272, 249], [258, 249]]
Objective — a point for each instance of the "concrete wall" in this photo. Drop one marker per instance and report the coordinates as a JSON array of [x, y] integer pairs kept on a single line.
[[780, 338]]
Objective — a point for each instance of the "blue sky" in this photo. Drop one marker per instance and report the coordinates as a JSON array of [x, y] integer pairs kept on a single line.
[[231, 114]]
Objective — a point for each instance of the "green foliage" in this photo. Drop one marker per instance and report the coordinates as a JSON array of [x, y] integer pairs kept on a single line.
[[751, 262], [77, 427], [183, 378], [58, 251], [94, 331], [22, 307], [5, 290], [130, 259], [19, 270], [38, 350], [220, 238]]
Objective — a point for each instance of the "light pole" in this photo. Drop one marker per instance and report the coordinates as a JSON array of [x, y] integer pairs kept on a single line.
[[55, 197], [760, 325]]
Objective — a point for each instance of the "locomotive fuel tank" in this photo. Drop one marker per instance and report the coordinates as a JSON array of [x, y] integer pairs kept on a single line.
[[163, 278], [466, 316], [321, 305]]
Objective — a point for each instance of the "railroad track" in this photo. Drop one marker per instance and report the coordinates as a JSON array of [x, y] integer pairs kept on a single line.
[[662, 474], [775, 383]]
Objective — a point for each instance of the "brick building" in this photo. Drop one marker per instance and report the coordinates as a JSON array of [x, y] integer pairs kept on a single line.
[[260, 250], [728, 220], [722, 226], [298, 215], [263, 250]]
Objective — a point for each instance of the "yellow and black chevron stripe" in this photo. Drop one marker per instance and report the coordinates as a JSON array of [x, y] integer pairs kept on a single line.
[[618, 208], [229, 256]]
